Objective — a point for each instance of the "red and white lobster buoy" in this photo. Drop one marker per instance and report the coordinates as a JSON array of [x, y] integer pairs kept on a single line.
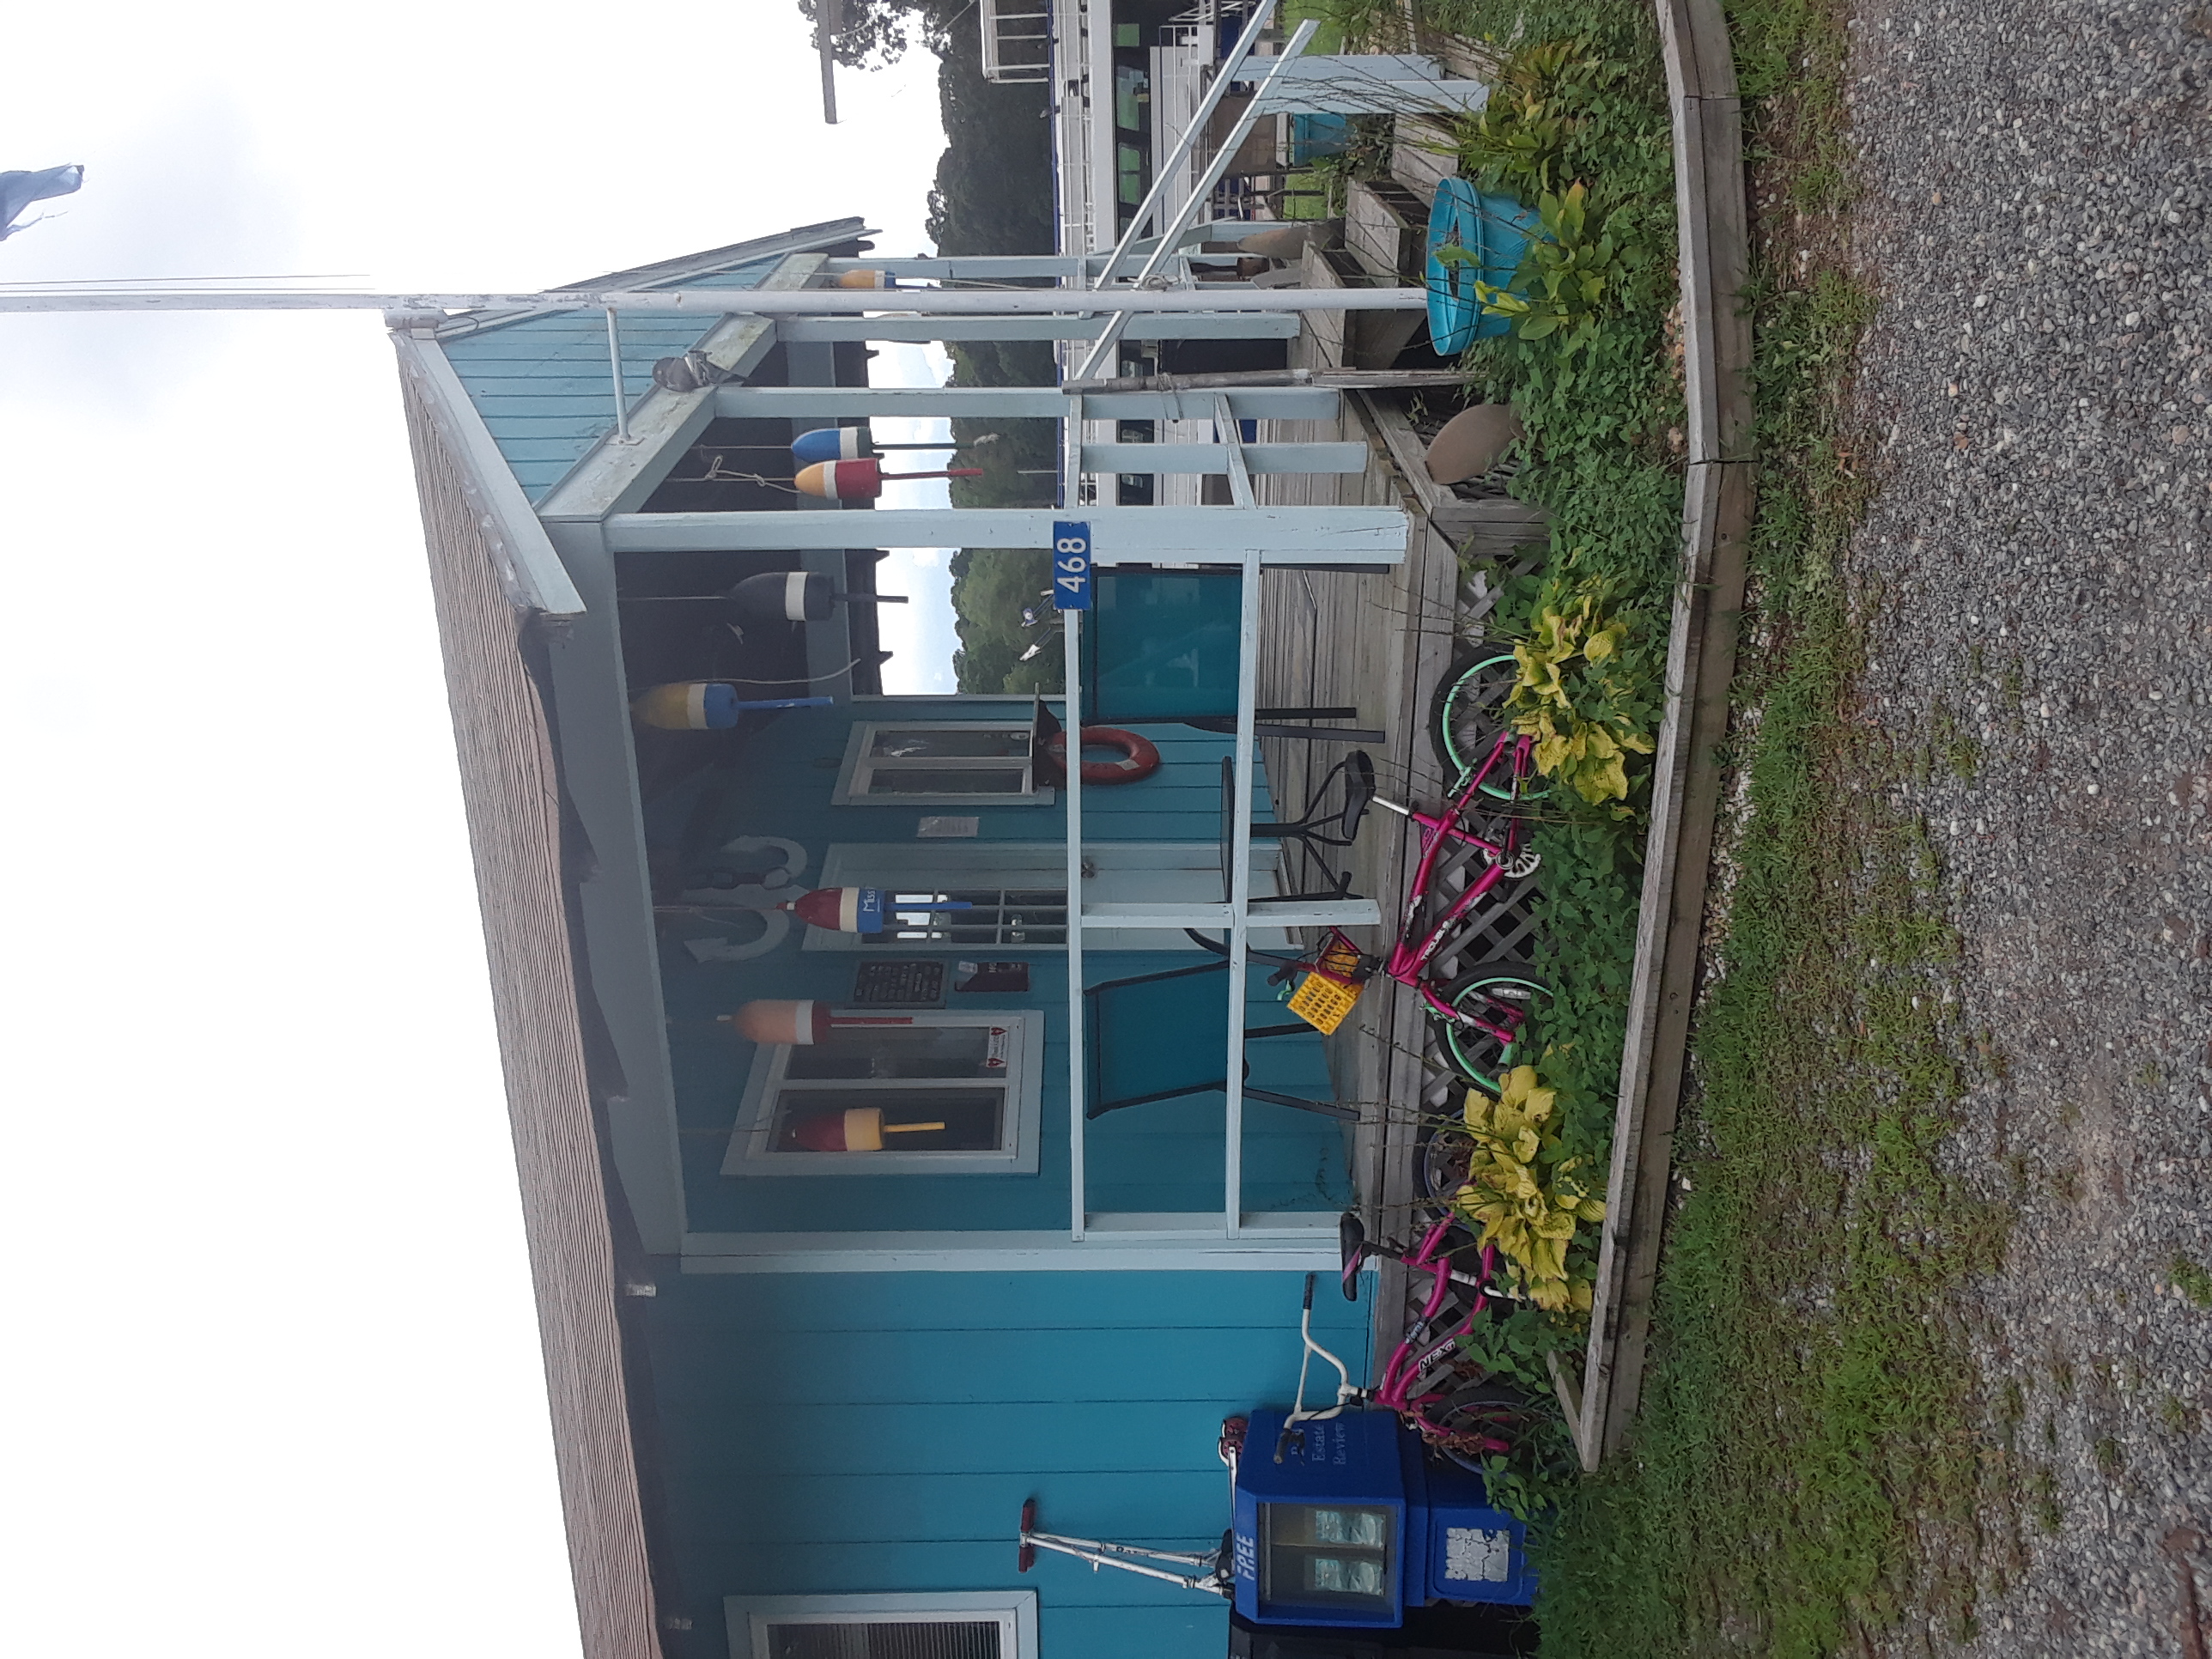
[[862, 479]]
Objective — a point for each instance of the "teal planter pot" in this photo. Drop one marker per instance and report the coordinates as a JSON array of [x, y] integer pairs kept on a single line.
[[1496, 230]]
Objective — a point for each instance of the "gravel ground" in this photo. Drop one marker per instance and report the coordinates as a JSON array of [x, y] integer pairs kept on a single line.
[[2036, 176]]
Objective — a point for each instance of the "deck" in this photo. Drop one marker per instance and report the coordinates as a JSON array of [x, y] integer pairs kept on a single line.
[[1382, 642]]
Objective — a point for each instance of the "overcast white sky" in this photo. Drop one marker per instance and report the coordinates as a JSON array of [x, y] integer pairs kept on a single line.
[[272, 1383]]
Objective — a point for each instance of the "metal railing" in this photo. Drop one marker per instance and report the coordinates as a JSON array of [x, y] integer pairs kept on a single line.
[[1016, 45]]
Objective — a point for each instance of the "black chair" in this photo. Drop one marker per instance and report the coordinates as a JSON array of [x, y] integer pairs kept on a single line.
[[1158, 1037], [1356, 772]]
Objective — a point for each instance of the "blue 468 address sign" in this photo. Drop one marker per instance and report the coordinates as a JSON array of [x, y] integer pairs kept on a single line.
[[1071, 565]]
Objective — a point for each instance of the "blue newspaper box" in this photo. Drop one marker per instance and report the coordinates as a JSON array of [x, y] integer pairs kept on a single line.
[[1356, 1524]]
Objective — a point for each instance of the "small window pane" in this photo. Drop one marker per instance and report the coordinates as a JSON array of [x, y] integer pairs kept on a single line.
[[932, 780], [904, 1051], [813, 1119], [994, 915], [958, 743], [902, 1639]]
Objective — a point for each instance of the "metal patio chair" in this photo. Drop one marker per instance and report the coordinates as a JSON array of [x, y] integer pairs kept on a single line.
[[1158, 1037], [1313, 829]]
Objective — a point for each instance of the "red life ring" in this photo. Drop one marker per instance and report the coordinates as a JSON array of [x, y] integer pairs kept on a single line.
[[1140, 757]]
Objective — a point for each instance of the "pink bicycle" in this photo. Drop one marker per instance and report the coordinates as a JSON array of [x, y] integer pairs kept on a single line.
[[1480, 1014], [1437, 1392]]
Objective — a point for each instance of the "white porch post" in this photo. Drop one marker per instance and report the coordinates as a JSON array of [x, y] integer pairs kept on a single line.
[[1078, 1202]]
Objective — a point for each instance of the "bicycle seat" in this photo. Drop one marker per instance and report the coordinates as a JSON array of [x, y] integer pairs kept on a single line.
[[1352, 1244], [1358, 790]]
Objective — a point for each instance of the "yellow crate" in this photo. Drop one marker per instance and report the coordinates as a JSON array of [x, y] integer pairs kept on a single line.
[[1323, 1002]]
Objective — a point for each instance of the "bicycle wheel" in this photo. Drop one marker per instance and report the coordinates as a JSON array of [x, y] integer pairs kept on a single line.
[[1486, 1419], [1469, 714], [1498, 997], [1441, 1157]]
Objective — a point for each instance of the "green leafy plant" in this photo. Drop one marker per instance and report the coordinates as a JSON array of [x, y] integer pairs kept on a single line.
[[1530, 1481], [1516, 1347], [1523, 1190], [1538, 103], [1576, 696]]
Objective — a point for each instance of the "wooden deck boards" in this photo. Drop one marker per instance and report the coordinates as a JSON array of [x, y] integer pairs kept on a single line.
[[1378, 642]]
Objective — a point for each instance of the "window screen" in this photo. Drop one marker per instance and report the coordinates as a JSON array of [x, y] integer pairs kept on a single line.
[[902, 1639], [1326, 1555]]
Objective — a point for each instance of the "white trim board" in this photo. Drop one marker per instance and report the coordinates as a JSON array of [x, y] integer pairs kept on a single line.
[[1293, 1241]]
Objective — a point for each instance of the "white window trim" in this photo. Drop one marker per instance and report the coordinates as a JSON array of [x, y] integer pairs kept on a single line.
[[749, 1153], [1016, 1611], [863, 734]]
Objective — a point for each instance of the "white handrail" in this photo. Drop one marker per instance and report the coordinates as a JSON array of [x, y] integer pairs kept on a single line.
[[726, 301]]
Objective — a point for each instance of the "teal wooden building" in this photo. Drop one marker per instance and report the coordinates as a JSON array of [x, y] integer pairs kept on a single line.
[[800, 1395]]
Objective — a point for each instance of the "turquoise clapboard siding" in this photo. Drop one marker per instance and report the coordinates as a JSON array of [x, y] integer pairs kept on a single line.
[[545, 389], [841, 1435], [1163, 1157]]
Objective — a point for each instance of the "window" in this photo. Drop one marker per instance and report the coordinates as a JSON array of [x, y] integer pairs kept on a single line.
[[1132, 92], [1335, 1556], [1003, 918], [1016, 893], [1130, 165], [939, 764], [938, 1093], [958, 1625]]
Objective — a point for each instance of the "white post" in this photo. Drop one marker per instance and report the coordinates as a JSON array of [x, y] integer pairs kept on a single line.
[[614, 366], [424, 309], [1078, 1040], [1240, 890]]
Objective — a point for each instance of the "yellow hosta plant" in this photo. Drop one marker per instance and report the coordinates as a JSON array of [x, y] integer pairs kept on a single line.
[[1575, 697], [1526, 1198]]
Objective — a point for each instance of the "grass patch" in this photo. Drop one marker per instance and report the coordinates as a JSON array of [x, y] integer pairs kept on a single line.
[[1809, 1456], [2044, 1501], [2190, 1280]]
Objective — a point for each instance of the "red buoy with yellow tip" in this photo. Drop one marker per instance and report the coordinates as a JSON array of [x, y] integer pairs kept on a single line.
[[856, 1129]]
